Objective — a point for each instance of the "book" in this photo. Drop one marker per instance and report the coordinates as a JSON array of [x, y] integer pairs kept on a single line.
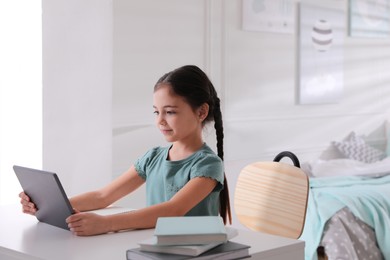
[[225, 251], [190, 230], [150, 245]]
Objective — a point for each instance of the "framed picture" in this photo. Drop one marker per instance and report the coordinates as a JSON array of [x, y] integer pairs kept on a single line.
[[369, 18], [321, 55], [268, 15]]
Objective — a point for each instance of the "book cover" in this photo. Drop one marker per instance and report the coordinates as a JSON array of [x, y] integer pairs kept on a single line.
[[150, 245], [225, 251], [190, 230]]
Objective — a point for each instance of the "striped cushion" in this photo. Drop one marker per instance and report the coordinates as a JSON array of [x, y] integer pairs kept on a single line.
[[356, 148]]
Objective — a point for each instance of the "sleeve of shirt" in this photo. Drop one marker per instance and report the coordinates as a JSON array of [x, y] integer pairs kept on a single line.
[[210, 166], [142, 163]]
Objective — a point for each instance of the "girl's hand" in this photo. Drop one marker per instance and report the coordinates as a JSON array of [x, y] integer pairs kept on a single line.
[[87, 224], [27, 205]]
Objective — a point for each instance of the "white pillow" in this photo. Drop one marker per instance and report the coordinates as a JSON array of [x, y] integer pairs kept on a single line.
[[377, 137], [331, 152], [357, 149]]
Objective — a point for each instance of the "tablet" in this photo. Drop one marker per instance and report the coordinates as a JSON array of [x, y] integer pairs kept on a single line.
[[45, 190]]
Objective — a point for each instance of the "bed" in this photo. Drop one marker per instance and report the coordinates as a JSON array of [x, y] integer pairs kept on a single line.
[[348, 215]]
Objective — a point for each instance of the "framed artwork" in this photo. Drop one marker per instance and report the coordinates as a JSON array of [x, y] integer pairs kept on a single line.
[[321, 55], [268, 15], [369, 18]]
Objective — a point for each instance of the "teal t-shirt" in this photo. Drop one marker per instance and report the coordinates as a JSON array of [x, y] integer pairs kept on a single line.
[[165, 178]]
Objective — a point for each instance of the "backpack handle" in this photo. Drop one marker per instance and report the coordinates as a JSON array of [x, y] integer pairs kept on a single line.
[[290, 155]]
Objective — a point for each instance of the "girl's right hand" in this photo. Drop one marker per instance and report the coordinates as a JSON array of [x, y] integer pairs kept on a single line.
[[27, 205]]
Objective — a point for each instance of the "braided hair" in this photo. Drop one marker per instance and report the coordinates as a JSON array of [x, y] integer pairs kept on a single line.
[[194, 85]]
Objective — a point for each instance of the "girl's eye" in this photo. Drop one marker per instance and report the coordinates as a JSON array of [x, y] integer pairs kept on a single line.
[[166, 112]]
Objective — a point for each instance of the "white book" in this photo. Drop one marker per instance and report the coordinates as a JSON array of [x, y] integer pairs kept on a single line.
[[151, 245]]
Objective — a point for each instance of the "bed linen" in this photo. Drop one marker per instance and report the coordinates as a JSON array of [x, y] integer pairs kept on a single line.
[[347, 167], [347, 237], [367, 198]]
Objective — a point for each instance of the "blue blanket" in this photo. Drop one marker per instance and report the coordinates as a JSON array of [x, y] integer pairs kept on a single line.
[[367, 198]]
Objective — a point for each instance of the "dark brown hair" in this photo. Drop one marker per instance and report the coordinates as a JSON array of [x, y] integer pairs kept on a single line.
[[195, 86]]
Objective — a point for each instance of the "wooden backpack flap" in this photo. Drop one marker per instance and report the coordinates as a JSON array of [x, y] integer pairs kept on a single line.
[[271, 197]]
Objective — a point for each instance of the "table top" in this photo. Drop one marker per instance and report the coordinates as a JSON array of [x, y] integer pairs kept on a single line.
[[23, 237]]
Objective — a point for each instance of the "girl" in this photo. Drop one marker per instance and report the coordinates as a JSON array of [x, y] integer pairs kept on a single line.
[[186, 178]]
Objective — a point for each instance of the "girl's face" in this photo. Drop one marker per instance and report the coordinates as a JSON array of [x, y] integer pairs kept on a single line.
[[175, 118]]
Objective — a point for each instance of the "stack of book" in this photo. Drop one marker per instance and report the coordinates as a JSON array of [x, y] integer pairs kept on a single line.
[[179, 238]]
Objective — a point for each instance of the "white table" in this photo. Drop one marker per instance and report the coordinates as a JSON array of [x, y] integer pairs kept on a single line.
[[23, 237]]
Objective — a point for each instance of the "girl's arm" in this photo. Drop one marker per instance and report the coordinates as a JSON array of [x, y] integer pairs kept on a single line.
[[121, 186], [84, 224]]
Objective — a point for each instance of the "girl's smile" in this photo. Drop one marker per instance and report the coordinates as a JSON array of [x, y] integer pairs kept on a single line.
[[165, 131]]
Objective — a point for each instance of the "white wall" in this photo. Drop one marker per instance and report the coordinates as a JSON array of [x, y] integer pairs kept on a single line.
[[77, 87], [254, 72]]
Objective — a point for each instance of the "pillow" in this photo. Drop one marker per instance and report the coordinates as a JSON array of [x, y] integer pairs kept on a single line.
[[332, 153], [377, 138], [357, 149]]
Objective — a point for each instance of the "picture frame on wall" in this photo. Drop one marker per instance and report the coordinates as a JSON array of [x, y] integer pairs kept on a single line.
[[277, 16], [369, 18], [321, 54]]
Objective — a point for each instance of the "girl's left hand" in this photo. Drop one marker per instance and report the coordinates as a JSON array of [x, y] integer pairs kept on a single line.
[[87, 224]]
